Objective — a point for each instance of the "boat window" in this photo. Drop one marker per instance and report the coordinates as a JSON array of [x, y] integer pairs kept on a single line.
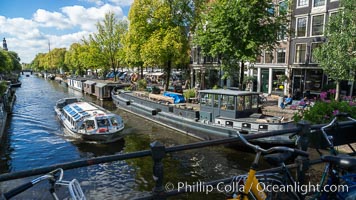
[[90, 125], [114, 121], [254, 101], [227, 102], [240, 103], [82, 127], [102, 123], [247, 102], [216, 100], [206, 99]]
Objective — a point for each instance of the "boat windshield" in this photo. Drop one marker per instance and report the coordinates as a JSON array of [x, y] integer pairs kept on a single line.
[[104, 122], [114, 121], [90, 125]]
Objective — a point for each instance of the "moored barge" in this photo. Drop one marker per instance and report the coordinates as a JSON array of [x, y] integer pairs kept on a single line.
[[219, 114]]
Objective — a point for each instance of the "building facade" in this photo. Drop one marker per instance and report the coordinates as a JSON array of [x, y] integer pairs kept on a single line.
[[309, 20], [290, 68]]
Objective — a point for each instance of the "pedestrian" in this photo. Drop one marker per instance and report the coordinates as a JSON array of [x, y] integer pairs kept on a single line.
[[286, 101]]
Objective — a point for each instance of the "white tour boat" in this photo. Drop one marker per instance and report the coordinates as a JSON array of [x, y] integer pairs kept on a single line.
[[88, 121]]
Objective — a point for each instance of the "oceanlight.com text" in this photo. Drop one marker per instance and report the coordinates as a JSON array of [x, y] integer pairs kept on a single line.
[[236, 187]]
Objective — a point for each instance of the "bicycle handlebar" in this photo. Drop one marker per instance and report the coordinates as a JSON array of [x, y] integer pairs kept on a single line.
[[332, 123], [25, 186], [272, 149]]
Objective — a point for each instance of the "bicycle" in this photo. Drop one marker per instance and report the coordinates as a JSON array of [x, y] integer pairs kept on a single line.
[[337, 168], [255, 184], [55, 179]]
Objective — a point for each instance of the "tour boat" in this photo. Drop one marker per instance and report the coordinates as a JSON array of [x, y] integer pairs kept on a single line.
[[88, 121]]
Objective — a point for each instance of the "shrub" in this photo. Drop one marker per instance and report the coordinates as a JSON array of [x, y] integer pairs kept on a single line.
[[324, 110], [142, 84], [3, 88], [189, 93]]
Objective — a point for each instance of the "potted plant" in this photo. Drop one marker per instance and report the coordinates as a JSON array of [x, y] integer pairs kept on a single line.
[[248, 81]]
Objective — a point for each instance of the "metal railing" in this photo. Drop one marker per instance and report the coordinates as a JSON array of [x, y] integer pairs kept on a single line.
[[158, 151]]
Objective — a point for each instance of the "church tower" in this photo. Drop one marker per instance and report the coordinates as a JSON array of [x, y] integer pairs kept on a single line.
[[4, 45]]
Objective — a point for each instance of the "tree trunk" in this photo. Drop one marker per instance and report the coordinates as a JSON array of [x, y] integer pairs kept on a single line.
[[337, 91], [141, 72], [168, 75], [242, 75]]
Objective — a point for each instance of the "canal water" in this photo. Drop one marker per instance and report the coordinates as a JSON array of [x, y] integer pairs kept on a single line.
[[34, 138]]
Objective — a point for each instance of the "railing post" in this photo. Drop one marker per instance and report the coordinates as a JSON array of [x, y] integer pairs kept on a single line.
[[303, 144], [158, 151]]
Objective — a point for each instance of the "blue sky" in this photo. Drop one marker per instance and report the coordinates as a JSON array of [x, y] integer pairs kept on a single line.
[[28, 25]]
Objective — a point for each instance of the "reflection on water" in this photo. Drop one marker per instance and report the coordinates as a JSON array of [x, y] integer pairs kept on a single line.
[[35, 139]]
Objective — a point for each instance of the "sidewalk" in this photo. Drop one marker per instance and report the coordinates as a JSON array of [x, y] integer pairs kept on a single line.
[[271, 108]]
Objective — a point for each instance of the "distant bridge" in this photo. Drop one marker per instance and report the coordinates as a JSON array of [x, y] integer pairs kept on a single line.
[[26, 70]]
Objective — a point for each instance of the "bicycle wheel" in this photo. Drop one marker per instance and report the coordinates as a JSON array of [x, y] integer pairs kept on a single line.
[[276, 187]]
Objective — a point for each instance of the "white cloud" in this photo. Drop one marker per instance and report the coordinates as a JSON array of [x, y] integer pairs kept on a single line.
[[97, 2], [122, 2], [29, 37], [51, 19]]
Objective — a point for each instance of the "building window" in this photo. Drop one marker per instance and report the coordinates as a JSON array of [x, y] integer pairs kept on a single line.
[[283, 7], [281, 55], [303, 3], [317, 25], [268, 57], [314, 46], [259, 59], [271, 8], [318, 3], [300, 52], [282, 34], [301, 27]]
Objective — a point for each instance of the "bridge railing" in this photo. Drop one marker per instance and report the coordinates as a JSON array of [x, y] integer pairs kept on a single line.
[[158, 151]]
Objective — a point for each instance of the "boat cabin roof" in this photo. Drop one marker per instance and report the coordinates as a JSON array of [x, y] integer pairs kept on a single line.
[[82, 109], [229, 92]]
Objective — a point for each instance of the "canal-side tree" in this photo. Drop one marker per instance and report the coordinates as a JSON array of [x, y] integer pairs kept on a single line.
[[5, 62], [91, 57], [108, 39], [36, 63], [56, 59], [337, 56], [15, 59], [72, 59], [237, 31], [9, 61], [158, 33]]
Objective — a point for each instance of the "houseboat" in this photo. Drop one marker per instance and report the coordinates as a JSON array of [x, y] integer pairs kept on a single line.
[[89, 122], [219, 114]]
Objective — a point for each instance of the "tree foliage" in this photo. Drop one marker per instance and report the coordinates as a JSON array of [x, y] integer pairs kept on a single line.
[[237, 31], [9, 61], [337, 56], [158, 33], [108, 39]]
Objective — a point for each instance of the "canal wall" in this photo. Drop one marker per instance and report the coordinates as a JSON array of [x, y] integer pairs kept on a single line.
[[6, 103]]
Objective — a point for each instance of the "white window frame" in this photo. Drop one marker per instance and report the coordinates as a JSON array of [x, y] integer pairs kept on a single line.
[[311, 50], [306, 25], [311, 25], [295, 53], [272, 58], [285, 55], [319, 6], [303, 6]]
